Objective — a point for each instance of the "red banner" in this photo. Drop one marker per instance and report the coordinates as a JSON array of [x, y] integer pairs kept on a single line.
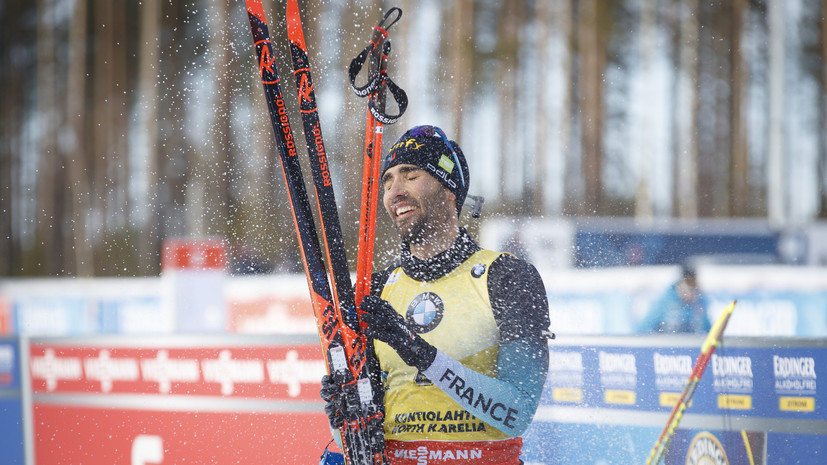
[[6, 323], [72, 435], [136, 403], [194, 254], [271, 372]]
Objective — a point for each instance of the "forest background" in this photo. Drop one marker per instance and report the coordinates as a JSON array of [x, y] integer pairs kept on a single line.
[[124, 123]]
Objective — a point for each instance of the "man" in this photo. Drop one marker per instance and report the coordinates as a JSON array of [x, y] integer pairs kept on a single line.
[[681, 309], [460, 333]]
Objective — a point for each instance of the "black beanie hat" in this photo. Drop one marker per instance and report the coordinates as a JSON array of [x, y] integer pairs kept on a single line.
[[429, 148]]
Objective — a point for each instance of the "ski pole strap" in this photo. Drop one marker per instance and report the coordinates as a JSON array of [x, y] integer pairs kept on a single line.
[[369, 89], [331, 458], [399, 95], [356, 66], [395, 10], [380, 33]]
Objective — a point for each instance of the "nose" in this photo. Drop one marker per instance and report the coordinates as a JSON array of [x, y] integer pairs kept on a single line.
[[394, 187]]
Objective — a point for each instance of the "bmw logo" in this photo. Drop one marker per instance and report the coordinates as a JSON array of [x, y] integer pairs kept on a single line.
[[478, 270], [425, 312]]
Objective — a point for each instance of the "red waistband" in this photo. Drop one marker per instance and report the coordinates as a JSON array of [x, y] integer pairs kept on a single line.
[[505, 452]]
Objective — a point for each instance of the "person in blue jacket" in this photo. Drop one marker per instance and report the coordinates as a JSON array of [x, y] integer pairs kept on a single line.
[[681, 309]]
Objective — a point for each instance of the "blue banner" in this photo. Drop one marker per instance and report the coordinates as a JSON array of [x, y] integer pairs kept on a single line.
[[11, 410], [615, 399]]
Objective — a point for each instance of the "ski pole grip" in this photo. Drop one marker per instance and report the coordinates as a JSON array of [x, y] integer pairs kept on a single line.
[[476, 206], [378, 96]]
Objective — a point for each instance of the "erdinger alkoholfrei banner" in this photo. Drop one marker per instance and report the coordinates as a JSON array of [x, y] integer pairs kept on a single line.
[[762, 401]]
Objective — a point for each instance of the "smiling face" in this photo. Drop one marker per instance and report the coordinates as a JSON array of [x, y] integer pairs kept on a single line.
[[421, 208]]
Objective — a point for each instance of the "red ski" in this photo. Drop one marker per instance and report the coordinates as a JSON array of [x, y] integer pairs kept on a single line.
[[340, 331]]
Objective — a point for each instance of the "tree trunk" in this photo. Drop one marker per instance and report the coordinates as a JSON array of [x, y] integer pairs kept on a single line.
[[543, 18], [555, 185], [776, 171], [509, 22], [822, 160], [644, 201], [739, 163], [76, 159], [686, 154], [719, 160], [48, 229], [109, 148], [217, 156], [714, 105], [147, 211], [592, 54], [172, 141], [461, 59], [11, 117]]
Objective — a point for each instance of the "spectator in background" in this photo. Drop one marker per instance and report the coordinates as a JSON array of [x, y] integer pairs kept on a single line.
[[681, 309]]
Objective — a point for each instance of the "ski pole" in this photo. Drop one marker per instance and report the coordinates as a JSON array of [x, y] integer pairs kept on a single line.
[[712, 340], [378, 83]]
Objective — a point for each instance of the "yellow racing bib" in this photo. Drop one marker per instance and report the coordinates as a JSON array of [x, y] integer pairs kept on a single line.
[[454, 314]]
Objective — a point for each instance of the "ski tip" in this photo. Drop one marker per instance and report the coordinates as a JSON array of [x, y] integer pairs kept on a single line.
[[294, 25], [255, 8]]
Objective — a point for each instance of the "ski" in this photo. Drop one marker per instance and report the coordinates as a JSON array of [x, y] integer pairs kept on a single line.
[[361, 440], [363, 416], [323, 185]]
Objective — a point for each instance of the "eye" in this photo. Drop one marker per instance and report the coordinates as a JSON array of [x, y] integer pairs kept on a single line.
[[388, 180]]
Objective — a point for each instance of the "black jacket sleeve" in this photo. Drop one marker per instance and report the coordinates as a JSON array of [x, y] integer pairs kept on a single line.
[[518, 298]]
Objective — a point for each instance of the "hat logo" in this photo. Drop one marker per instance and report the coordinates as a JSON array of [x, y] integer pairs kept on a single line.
[[446, 163], [441, 174], [410, 142]]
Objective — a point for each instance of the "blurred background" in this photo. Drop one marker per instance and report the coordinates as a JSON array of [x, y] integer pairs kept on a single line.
[[615, 142], [649, 157]]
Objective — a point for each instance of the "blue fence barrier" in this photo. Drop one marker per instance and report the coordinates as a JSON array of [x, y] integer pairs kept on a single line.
[[11, 409], [607, 399]]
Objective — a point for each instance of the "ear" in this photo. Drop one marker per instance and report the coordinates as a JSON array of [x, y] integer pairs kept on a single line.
[[450, 200], [450, 196]]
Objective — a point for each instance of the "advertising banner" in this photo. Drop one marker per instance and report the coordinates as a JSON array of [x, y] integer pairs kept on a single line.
[[177, 400], [11, 409], [254, 399], [96, 435], [757, 400]]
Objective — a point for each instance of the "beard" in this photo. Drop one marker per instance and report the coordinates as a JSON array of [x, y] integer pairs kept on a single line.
[[416, 233], [425, 227]]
